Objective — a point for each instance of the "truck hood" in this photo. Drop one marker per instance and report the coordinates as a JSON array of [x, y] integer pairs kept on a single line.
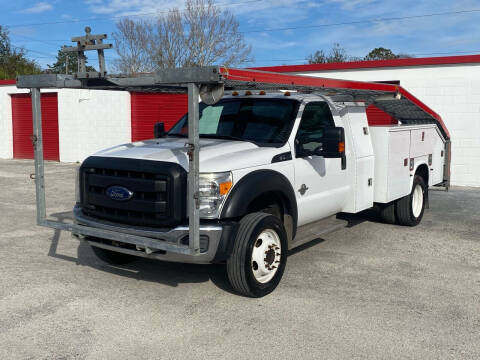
[[216, 155]]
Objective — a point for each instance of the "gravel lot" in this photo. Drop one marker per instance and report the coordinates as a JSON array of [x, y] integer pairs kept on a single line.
[[369, 291]]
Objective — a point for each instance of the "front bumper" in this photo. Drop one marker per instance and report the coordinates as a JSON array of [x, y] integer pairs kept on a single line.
[[217, 237]]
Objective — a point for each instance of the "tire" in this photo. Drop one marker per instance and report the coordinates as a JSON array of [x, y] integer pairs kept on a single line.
[[113, 257], [259, 255], [411, 207], [387, 213]]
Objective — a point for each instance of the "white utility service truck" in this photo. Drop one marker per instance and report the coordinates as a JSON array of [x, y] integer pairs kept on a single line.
[[241, 179], [272, 167]]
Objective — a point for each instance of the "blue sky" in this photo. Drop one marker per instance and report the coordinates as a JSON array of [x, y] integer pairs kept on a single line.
[[309, 25]]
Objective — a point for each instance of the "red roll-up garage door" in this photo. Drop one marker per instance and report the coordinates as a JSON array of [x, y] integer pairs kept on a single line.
[[375, 116], [23, 126], [148, 109]]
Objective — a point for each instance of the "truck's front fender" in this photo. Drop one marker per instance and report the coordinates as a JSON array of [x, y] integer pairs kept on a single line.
[[258, 183]]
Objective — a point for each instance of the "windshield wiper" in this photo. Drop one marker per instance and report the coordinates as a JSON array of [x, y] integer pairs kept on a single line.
[[176, 135], [225, 137]]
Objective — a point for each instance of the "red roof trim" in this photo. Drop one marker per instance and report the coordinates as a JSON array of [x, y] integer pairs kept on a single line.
[[444, 60], [8, 82]]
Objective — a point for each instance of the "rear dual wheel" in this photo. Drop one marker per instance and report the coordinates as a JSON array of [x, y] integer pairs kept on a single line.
[[408, 210], [411, 207]]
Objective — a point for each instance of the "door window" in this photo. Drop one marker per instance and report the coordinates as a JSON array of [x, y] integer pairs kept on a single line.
[[315, 118]]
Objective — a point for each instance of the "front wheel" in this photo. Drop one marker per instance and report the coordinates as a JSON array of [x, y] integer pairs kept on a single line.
[[259, 255], [411, 207]]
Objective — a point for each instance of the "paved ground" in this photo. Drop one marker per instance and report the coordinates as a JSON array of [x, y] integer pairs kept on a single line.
[[369, 291]]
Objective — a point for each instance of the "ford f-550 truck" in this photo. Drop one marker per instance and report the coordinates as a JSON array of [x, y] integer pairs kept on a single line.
[[242, 179], [273, 165]]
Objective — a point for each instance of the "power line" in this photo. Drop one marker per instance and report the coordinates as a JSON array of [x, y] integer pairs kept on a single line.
[[39, 40], [119, 16], [34, 51], [399, 18], [363, 21]]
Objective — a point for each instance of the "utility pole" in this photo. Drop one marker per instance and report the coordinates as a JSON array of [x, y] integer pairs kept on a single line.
[[85, 43]]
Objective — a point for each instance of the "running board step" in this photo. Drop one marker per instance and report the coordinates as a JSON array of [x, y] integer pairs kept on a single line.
[[316, 229]]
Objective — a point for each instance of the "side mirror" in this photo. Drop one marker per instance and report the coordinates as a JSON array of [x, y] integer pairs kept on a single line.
[[158, 130], [333, 143], [328, 142]]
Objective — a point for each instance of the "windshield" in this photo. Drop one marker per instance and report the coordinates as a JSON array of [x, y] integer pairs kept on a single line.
[[262, 121]]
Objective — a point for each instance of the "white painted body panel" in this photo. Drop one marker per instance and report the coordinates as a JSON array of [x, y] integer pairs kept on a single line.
[[394, 144], [329, 187], [361, 159], [216, 155]]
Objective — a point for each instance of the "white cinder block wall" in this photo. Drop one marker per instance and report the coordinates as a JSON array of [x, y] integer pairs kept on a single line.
[[453, 91], [6, 141], [88, 121], [91, 120]]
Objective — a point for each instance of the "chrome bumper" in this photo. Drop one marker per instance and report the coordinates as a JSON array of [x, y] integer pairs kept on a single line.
[[163, 236]]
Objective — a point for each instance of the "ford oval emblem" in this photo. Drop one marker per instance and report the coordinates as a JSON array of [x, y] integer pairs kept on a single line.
[[119, 193]]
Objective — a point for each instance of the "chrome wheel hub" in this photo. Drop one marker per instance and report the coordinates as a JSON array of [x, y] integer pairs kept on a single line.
[[266, 255], [417, 201]]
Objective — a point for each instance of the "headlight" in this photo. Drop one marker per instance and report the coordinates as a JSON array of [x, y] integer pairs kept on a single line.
[[213, 188]]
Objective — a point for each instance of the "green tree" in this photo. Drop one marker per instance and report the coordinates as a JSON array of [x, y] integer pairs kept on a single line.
[[13, 61], [381, 53], [67, 63]]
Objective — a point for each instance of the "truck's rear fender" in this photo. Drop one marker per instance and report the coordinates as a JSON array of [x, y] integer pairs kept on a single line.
[[422, 170], [257, 186]]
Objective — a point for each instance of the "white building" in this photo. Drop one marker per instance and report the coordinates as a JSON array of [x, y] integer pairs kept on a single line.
[[77, 123], [80, 122], [448, 85]]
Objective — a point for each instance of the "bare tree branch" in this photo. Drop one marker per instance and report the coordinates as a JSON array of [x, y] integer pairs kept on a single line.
[[200, 35]]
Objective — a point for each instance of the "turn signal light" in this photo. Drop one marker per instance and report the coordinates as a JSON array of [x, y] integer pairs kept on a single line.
[[341, 147], [225, 187]]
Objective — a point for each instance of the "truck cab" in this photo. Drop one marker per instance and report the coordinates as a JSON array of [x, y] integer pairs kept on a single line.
[[273, 167]]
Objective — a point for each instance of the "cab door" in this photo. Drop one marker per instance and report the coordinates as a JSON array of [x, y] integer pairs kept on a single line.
[[321, 183]]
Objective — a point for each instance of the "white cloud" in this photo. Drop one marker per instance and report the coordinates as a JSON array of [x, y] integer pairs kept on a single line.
[[355, 29], [132, 7], [38, 8]]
